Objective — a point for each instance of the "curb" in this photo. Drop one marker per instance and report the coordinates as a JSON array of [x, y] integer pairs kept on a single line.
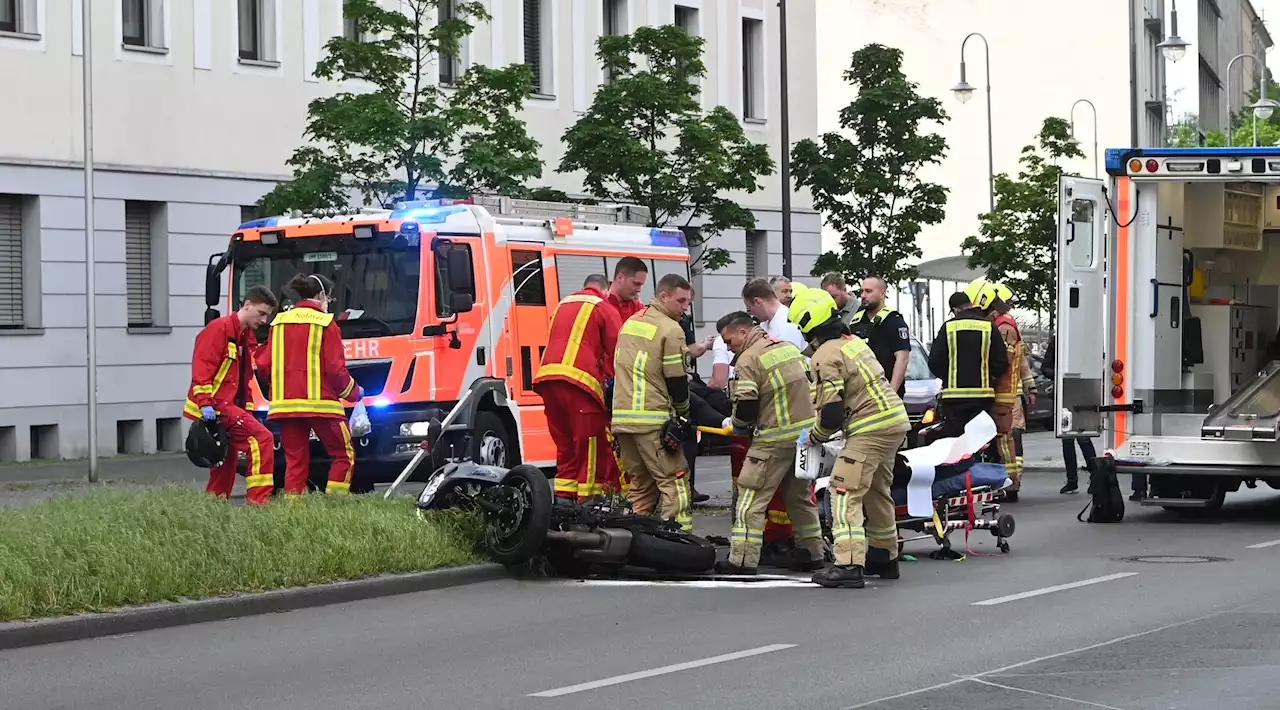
[[20, 634]]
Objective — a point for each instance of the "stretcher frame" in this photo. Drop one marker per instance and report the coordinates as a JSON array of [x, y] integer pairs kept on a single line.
[[977, 508]]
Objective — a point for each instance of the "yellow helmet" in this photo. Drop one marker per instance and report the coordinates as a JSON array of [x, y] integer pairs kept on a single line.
[[981, 293], [1004, 293], [810, 308]]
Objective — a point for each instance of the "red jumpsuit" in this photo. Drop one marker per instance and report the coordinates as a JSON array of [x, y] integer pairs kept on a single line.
[[221, 365], [309, 381], [577, 362]]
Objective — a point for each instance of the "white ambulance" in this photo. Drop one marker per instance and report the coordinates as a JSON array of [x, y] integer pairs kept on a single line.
[[1168, 291]]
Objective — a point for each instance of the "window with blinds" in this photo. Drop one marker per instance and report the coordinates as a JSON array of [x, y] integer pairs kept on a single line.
[[533, 56], [137, 255], [11, 314], [450, 65]]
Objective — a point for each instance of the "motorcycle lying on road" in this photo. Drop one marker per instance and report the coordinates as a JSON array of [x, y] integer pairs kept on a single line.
[[523, 521]]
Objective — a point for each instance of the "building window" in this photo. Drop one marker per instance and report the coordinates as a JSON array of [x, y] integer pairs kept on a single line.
[[687, 19], [752, 68], [138, 251], [11, 263], [537, 45], [614, 23], [19, 16], [757, 254], [9, 16], [450, 65], [257, 29], [351, 29], [142, 23]]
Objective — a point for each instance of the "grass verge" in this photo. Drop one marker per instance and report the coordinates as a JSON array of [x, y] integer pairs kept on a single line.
[[125, 547]]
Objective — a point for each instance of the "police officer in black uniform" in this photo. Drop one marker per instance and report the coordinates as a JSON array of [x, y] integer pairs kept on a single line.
[[885, 330]]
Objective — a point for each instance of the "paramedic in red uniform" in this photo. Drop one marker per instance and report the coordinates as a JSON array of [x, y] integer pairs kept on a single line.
[[624, 293], [221, 366], [308, 382], [572, 381]]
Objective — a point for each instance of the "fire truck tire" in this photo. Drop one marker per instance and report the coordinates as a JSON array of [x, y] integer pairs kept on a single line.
[[491, 442]]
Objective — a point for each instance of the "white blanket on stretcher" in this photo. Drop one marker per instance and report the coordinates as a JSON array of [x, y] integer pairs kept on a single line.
[[814, 463]]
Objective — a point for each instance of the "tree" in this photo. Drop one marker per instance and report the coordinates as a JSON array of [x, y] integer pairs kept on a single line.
[[865, 178], [1018, 242], [402, 132], [646, 141], [1186, 133]]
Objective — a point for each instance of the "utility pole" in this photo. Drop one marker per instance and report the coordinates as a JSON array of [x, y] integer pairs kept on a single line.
[[90, 280], [786, 142]]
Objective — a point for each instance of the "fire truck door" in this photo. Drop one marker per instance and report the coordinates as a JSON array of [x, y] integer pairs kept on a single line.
[[529, 319], [1082, 322]]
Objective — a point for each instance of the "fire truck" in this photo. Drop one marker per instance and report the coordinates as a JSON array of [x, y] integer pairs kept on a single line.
[[444, 308], [1168, 292]]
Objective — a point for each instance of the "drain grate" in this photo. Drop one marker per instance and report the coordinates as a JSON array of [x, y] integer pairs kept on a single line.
[[1173, 559]]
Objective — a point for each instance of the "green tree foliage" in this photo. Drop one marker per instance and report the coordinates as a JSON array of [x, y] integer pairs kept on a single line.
[[389, 130], [646, 141], [865, 177], [1018, 242]]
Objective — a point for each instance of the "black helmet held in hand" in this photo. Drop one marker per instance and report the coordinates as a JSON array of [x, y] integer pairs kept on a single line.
[[207, 444]]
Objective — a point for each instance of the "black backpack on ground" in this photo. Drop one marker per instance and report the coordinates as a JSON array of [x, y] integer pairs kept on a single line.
[[1106, 504]]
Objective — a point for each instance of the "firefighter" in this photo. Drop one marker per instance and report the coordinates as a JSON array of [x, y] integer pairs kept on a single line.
[[1011, 420], [651, 404], [577, 366], [308, 383], [968, 356], [772, 406], [221, 365], [853, 396]]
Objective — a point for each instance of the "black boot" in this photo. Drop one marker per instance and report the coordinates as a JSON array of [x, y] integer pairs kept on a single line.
[[879, 565], [1072, 485], [1010, 496], [841, 576], [803, 561], [727, 567], [698, 497], [777, 553]]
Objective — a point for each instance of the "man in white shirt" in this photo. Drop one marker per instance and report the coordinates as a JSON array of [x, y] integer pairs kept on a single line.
[[762, 302]]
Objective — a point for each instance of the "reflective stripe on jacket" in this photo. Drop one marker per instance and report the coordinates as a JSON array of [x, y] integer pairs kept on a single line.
[[581, 341], [307, 366], [650, 349], [221, 363], [774, 373], [968, 356], [1008, 386], [848, 372]]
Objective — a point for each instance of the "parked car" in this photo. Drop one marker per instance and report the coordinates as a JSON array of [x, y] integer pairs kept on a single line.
[[1041, 415], [922, 388]]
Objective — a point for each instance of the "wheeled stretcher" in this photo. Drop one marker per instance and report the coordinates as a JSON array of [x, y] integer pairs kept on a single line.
[[960, 503]]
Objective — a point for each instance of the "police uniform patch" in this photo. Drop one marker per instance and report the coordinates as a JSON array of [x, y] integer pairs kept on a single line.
[[904, 333]]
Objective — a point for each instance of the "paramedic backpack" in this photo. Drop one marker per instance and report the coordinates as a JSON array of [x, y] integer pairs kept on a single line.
[[1107, 502]]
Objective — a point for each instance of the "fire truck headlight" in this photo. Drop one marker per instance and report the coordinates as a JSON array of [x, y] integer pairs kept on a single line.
[[414, 428]]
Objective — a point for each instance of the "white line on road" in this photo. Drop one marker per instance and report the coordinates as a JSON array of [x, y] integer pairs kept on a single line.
[[1050, 590], [661, 671], [1259, 546]]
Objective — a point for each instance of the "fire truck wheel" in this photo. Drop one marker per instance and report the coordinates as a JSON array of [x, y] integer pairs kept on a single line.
[[491, 442]]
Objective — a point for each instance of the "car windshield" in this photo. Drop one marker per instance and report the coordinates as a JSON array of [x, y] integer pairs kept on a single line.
[[918, 363], [375, 281]]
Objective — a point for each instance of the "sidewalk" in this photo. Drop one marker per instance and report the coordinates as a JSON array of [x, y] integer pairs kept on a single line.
[[29, 482]]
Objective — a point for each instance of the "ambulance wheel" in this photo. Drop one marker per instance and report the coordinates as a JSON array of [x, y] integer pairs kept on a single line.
[[491, 443]]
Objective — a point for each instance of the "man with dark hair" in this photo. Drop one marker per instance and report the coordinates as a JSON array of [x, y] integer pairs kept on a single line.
[[885, 330], [834, 284], [597, 281], [968, 355], [959, 301], [762, 302], [629, 277], [221, 365], [651, 404]]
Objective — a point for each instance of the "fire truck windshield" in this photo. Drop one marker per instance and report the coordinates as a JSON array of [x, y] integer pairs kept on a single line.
[[375, 281]]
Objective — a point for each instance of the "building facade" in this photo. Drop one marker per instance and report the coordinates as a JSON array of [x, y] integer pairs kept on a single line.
[[1220, 31], [197, 105]]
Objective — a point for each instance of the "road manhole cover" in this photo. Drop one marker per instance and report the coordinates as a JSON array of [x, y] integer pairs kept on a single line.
[[1173, 559]]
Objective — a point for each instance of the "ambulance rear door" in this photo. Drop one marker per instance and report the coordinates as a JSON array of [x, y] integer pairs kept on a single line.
[[1082, 322]]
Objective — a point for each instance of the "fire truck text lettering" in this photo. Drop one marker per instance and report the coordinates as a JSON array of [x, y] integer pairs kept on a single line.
[[360, 349]]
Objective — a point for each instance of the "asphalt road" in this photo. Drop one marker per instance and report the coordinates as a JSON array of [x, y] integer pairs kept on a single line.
[[1061, 622]]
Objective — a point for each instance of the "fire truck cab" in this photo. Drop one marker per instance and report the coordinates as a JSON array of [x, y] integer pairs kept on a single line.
[[1168, 293], [439, 302]]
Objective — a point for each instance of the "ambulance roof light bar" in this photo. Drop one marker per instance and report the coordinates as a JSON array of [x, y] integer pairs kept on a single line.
[[1195, 163]]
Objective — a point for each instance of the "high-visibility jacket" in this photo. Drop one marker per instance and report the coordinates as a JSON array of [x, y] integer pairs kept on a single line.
[[777, 376], [1008, 385], [221, 365], [580, 345], [307, 367], [650, 351], [849, 374], [1021, 367], [968, 356]]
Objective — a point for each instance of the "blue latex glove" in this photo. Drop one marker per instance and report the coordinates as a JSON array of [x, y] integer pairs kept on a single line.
[[209, 414]]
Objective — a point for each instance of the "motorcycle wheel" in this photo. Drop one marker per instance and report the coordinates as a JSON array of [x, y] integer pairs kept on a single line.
[[671, 550], [516, 533]]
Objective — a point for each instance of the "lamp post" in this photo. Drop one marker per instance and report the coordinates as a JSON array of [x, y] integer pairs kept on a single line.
[[1262, 108], [1095, 130], [964, 91], [90, 280], [785, 129], [1173, 47]]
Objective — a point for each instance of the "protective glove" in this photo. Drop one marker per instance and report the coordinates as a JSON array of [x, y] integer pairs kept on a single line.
[[209, 414], [743, 431]]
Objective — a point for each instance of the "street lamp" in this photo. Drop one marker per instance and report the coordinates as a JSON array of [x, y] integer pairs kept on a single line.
[[1174, 47], [964, 91], [1095, 130], [91, 289], [1262, 108]]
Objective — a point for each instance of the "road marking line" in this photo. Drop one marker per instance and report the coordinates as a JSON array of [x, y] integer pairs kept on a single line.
[[1050, 590], [557, 692], [1259, 546], [782, 583], [1043, 695]]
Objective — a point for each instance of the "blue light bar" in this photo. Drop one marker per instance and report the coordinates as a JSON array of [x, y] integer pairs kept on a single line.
[[427, 215], [1118, 157], [667, 237], [260, 223]]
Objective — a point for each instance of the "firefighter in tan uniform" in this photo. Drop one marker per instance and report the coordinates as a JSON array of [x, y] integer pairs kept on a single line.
[[1025, 385], [853, 396], [651, 404], [772, 404], [1009, 417]]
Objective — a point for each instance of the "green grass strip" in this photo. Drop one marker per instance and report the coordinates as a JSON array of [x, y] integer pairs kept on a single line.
[[123, 547]]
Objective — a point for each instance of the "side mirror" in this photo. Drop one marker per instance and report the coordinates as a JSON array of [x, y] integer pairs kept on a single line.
[[212, 289], [211, 315], [461, 275], [461, 302]]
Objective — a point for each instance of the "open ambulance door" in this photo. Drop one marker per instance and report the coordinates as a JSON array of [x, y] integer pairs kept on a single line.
[[1081, 318]]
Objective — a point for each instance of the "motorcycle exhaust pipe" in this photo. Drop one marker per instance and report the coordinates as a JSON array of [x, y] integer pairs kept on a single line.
[[576, 538], [606, 545]]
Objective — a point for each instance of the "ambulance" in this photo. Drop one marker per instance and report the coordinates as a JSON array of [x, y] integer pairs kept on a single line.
[[1168, 291], [442, 302]]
